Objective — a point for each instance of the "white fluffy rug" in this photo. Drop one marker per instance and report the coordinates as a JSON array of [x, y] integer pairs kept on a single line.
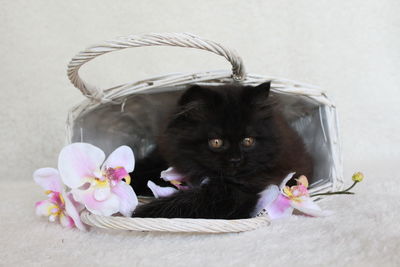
[[364, 231]]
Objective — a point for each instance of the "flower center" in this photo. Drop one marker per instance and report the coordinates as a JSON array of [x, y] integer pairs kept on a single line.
[[55, 198], [101, 183], [56, 209], [53, 210], [295, 193], [109, 177], [117, 174]]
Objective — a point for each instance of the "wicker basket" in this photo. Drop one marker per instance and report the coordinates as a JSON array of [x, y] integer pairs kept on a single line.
[[134, 110]]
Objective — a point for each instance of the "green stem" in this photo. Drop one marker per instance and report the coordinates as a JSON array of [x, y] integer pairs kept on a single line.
[[343, 192], [350, 187]]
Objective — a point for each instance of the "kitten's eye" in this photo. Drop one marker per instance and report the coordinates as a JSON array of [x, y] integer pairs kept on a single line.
[[215, 143], [248, 141]]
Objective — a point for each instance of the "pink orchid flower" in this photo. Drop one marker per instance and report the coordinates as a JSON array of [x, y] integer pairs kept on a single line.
[[281, 202], [172, 176], [96, 183], [60, 205]]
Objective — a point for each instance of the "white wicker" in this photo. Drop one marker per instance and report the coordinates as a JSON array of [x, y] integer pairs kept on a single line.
[[174, 225], [117, 94]]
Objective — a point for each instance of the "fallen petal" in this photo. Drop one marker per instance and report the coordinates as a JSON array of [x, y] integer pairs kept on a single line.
[[171, 174], [121, 157], [77, 162], [48, 179], [159, 191]]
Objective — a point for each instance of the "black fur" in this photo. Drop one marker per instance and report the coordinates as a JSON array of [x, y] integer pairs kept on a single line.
[[230, 113], [147, 169]]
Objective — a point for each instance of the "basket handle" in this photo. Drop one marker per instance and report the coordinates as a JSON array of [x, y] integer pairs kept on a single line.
[[153, 39]]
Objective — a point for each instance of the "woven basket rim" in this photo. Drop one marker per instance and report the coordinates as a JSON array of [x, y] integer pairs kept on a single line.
[[176, 225]]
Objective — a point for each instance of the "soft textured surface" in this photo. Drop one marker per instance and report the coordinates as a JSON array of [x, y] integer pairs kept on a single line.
[[364, 231], [350, 48]]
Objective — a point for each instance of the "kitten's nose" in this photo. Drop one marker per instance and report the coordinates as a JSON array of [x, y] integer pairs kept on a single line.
[[235, 161]]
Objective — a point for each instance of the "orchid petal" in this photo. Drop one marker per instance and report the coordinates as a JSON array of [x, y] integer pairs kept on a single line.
[[101, 193], [280, 208], [43, 207], [73, 208], [309, 207], [180, 186], [105, 208], [302, 180], [121, 157], [266, 198], [77, 162], [48, 179], [159, 191], [286, 179], [171, 174], [66, 221], [127, 198]]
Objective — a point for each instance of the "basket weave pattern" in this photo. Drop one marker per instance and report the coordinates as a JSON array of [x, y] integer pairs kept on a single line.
[[97, 96]]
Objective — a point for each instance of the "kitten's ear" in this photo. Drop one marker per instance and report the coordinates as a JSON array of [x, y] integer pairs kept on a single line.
[[263, 89], [257, 98], [196, 93], [193, 102], [255, 94]]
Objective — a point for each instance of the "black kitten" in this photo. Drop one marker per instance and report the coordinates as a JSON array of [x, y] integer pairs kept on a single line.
[[231, 142]]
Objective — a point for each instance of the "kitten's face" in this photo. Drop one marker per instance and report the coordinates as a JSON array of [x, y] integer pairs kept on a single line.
[[226, 132]]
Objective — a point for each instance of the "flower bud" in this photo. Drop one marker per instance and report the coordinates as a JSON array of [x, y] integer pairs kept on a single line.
[[357, 177]]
